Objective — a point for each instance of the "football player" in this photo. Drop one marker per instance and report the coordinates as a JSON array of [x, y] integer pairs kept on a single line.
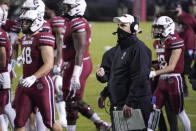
[[4, 4], [76, 41], [36, 86], [170, 55], [40, 7]]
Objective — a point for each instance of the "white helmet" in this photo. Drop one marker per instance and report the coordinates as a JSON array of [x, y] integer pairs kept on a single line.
[[166, 23], [3, 16], [34, 5], [34, 16], [77, 7]]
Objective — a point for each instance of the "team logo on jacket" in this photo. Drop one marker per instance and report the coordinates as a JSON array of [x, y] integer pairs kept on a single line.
[[40, 86], [122, 57]]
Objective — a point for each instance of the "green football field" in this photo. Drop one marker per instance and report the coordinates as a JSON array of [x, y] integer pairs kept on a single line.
[[101, 39]]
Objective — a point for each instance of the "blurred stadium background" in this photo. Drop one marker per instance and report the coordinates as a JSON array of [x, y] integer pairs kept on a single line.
[[105, 10], [100, 14]]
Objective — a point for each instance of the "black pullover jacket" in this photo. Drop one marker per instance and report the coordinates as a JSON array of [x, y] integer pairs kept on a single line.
[[129, 75]]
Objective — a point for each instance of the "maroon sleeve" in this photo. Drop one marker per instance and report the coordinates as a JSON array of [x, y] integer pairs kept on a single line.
[[46, 39], [78, 24], [3, 40], [57, 22]]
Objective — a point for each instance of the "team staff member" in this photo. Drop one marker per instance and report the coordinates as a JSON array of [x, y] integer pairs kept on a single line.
[[186, 18], [103, 74], [129, 84]]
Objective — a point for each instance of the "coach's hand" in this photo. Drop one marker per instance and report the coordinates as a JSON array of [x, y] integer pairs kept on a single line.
[[127, 111], [29, 81], [75, 80], [100, 71], [101, 101]]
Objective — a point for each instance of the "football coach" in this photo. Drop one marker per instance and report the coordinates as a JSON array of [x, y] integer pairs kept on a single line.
[[129, 85]]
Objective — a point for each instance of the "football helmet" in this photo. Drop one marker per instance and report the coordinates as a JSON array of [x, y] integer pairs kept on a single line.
[[73, 7], [166, 24], [34, 17], [34, 5], [3, 16]]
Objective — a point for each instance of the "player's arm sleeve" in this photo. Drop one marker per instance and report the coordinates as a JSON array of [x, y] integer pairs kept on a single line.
[[177, 44], [46, 39], [57, 22]]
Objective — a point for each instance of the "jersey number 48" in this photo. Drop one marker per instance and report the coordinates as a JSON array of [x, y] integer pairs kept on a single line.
[[26, 55]]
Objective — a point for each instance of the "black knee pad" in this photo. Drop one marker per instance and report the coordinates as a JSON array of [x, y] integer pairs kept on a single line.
[[72, 110], [85, 109]]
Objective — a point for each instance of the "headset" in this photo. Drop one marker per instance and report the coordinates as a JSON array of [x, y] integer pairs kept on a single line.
[[135, 25]]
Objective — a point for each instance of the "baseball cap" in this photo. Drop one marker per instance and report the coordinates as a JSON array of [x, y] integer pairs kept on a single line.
[[125, 18]]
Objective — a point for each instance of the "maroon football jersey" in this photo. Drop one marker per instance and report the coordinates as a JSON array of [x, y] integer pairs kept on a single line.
[[31, 54], [74, 25], [5, 42], [12, 26], [46, 27], [57, 22], [163, 52]]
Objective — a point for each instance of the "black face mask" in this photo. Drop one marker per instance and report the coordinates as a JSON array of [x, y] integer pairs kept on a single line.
[[122, 35]]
